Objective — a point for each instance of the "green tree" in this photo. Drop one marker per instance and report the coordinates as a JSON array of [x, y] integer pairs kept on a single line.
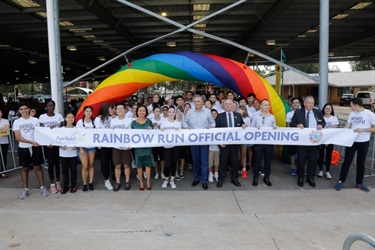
[[307, 67], [362, 65]]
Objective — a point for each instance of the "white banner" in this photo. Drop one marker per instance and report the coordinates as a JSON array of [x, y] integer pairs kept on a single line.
[[139, 138]]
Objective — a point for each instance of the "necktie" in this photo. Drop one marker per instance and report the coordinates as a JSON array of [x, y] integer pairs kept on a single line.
[[230, 120], [308, 119]]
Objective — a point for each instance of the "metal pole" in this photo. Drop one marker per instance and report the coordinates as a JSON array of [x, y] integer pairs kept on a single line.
[[323, 52]]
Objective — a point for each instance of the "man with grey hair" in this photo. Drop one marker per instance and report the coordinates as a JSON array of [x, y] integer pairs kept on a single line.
[[199, 118]]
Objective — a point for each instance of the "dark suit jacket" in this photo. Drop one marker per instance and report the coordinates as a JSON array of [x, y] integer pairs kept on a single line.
[[222, 120], [300, 117]]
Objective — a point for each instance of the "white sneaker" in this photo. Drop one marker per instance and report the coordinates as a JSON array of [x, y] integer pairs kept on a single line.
[[156, 176], [144, 175], [328, 175], [210, 177], [53, 189], [165, 184], [173, 186], [24, 193], [320, 173], [216, 176], [162, 176], [108, 185], [44, 192]]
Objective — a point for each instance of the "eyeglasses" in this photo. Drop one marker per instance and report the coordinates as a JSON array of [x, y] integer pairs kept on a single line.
[[263, 118]]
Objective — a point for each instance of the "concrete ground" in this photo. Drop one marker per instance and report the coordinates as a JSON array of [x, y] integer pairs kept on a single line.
[[283, 216]]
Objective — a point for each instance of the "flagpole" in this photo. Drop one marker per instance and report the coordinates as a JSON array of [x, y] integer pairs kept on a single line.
[[282, 73]]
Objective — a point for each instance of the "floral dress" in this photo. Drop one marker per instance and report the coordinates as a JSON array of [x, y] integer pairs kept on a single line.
[[143, 156]]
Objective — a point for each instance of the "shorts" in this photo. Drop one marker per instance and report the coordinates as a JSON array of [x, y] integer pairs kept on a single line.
[[291, 149], [121, 157], [33, 155], [88, 150], [213, 158]]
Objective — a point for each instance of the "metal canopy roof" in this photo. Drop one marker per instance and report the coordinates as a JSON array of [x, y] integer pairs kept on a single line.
[[106, 28]]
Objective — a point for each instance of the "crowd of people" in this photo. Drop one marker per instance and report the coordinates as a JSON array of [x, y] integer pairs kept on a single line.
[[188, 111]]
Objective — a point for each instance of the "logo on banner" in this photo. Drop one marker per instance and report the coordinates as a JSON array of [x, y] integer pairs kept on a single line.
[[73, 138], [315, 136]]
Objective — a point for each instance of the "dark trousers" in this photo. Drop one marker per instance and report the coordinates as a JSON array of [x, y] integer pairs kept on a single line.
[[53, 160], [199, 156], [311, 154], [228, 155], [328, 155], [361, 148], [105, 156], [69, 164], [4, 157], [171, 156], [262, 152]]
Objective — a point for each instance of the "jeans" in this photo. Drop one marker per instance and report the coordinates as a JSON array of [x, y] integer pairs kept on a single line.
[[361, 148], [199, 155]]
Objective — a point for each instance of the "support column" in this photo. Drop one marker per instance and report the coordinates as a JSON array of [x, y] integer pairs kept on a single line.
[[323, 52]]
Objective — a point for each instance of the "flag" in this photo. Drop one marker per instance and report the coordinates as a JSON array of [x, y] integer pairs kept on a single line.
[[283, 57], [277, 85]]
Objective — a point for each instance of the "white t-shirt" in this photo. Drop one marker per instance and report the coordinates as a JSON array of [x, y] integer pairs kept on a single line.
[[80, 124], [26, 128], [124, 123], [247, 121], [158, 123], [3, 124], [102, 124], [68, 152], [50, 121], [167, 125], [331, 121], [250, 110], [289, 116], [364, 119]]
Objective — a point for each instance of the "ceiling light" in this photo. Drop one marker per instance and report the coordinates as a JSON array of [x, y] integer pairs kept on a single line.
[[200, 25], [80, 30], [4, 45], [171, 44], [331, 54], [66, 23], [302, 36], [42, 14], [201, 7], [32, 61], [26, 3], [250, 55], [271, 42], [67, 68], [17, 70], [340, 16], [71, 48], [25, 74], [17, 49], [98, 41], [164, 13], [101, 58], [360, 6], [195, 18], [312, 31], [89, 36], [198, 37]]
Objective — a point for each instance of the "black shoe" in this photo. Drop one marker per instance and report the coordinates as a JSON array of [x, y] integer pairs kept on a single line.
[[204, 186], [84, 189], [311, 182], [127, 186], [116, 187], [64, 190], [255, 182], [300, 182], [91, 187], [267, 182], [195, 183], [73, 189], [219, 184], [236, 183]]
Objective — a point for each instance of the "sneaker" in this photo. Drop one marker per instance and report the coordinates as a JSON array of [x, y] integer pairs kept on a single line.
[[244, 174], [362, 188], [162, 176], [117, 187], [108, 185], [216, 176], [91, 187], [24, 194], [182, 175], [58, 186], [177, 177], [293, 172], [156, 176], [85, 189], [210, 177], [127, 186], [165, 184], [261, 173], [320, 174], [144, 175], [133, 164], [173, 186], [339, 186], [53, 189], [43, 191], [73, 189], [328, 175]]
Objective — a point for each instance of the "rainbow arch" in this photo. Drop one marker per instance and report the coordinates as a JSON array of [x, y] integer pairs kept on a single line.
[[157, 68]]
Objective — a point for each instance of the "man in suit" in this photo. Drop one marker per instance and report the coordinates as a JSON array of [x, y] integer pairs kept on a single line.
[[307, 117], [229, 153]]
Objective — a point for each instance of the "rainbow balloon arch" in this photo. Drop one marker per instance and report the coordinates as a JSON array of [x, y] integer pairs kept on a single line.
[[190, 66]]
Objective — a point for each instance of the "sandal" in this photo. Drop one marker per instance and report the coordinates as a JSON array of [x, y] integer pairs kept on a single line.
[[4, 176]]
